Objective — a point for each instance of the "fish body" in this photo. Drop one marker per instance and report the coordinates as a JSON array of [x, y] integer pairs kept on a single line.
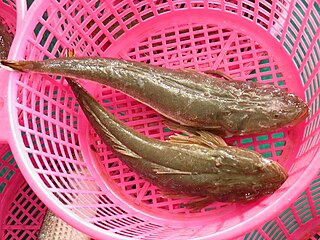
[[5, 42], [187, 97], [195, 166]]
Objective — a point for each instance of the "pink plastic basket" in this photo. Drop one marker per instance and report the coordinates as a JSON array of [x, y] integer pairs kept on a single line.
[[11, 17], [275, 42], [21, 211], [301, 220]]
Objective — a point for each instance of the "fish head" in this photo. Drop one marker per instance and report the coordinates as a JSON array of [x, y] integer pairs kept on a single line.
[[272, 177], [296, 111], [286, 110], [248, 177]]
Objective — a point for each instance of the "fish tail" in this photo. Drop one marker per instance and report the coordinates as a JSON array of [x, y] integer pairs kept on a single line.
[[20, 66]]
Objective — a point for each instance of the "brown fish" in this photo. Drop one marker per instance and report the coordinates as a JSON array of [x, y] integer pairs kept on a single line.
[[186, 97], [5, 42], [200, 166]]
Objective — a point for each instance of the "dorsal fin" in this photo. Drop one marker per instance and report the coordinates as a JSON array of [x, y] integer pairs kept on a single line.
[[204, 138]]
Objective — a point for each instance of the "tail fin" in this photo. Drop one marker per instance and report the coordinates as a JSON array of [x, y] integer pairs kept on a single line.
[[21, 66]]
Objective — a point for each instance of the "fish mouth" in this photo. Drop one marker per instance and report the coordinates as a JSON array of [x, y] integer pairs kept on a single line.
[[282, 173], [301, 116]]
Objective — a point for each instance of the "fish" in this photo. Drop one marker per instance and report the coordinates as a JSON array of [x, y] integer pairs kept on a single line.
[[199, 166], [5, 42], [188, 99]]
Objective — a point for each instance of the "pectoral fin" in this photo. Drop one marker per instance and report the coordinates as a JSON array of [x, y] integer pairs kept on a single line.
[[210, 139], [220, 74], [194, 205], [175, 126], [125, 151], [118, 146], [161, 170], [202, 138], [200, 203], [170, 194]]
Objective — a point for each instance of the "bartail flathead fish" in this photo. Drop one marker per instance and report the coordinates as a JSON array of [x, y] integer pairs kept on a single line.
[[200, 166], [188, 98]]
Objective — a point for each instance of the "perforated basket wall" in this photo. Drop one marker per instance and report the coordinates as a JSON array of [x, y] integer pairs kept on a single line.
[[274, 42], [301, 220], [21, 211], [8, 15]]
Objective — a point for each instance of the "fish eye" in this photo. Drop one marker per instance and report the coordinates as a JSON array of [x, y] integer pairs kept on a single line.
[[276, 115]]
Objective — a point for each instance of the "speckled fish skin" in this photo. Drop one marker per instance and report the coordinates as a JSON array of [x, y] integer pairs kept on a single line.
[[197, 166], [5, 42], [187, 97]]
